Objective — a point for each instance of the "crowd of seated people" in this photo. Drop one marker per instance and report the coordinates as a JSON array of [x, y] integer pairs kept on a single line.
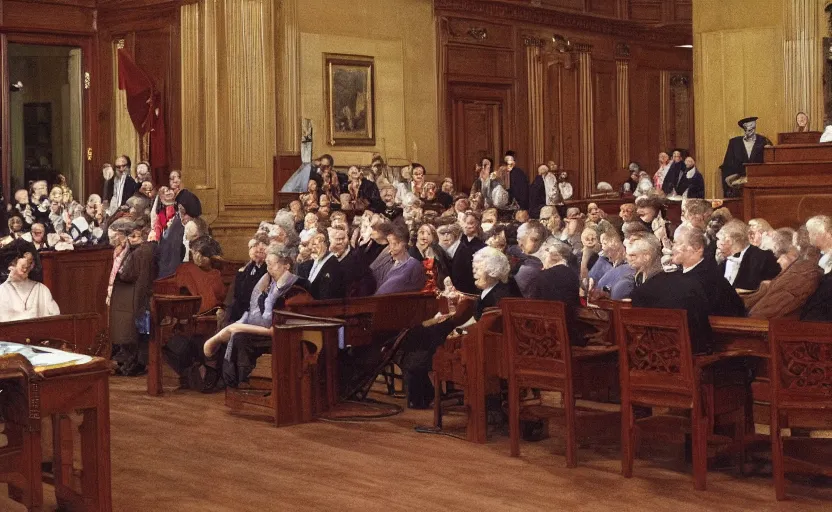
[[383, 231]]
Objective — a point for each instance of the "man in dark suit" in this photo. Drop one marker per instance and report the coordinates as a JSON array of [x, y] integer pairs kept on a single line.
[[655, 288], [747, 148], [491, 269], [246, 279], [518, 181], [458, 257], [121, 186], [689, 182], [326, 279], [677, 168], [689, 253], [745, 266]]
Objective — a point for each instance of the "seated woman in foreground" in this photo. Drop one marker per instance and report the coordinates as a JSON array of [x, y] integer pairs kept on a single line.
[[250, 336], [405, 273], [491, 274]]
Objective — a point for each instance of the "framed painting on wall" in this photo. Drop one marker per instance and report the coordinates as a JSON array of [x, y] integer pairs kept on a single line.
[[349, 93]]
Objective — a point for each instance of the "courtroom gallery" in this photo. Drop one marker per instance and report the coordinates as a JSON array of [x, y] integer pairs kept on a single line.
[[415, 255]]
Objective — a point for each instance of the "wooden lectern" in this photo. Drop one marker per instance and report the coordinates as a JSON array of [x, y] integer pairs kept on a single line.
[[304, 381], [792, 184]]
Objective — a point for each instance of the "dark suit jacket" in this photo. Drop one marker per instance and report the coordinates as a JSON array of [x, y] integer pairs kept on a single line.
[[475, 243], [537, 196], [818, 307], [674, 291], [358, 280], [722, 297], [171, 250], [757, 266], [329, 283], [130, 188], [461, 267], [695, 186], [736, 156], [492, 299], [561, 283], [304, 268], [244, 283], [519, 187], [672, 176]]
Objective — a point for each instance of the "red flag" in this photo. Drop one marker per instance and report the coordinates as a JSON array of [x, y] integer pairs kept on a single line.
[[144, 104]]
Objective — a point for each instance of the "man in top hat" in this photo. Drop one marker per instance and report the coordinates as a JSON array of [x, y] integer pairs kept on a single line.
[[747, 148]]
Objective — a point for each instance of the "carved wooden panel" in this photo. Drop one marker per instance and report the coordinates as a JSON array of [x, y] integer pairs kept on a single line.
[[49, 17], [788, 207], [606, 122], [648, 11], [807, 367], [646, 136], [480, 33], [681, 111], [78, 279], [537, 337], [480, 62], [653, 350], [602, 7], [573, 5]]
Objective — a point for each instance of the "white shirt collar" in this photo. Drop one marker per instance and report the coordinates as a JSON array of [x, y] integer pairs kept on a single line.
[[487, 291], [826, 262], [452, 249], [732, 265]]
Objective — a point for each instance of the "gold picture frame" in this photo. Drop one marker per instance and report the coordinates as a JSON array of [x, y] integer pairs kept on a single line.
[[349, 94]]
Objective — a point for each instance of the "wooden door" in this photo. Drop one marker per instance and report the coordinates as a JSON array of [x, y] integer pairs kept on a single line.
[[477, 128]]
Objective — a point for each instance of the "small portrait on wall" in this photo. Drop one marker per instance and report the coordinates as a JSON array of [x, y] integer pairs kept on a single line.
[[349, 92], [802, 122]]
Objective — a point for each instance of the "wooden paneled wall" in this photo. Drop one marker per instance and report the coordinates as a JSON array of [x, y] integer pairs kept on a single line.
[[619, 91]]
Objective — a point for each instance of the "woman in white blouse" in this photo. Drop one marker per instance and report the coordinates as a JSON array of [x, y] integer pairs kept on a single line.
[[20, 297]]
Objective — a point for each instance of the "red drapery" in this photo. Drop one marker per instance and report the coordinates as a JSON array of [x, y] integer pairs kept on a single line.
[[144, 103]]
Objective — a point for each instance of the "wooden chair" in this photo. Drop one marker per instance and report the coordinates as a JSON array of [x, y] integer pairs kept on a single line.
[[801, 362], [19, 406], [657, 369], [169, 315]]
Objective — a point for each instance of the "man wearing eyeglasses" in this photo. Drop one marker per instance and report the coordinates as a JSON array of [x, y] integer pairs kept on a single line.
[[121, 186]]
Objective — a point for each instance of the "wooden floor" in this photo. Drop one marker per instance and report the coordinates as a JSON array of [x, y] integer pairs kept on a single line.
[[187, 452]]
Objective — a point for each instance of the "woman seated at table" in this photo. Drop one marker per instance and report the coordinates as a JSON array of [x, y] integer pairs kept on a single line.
[[22, 298], [250, 336], [404, 273]]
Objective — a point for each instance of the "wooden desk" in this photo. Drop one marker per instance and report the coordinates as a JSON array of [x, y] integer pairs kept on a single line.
[[81, 333], [78, 279], [59, 392], [304, 371]]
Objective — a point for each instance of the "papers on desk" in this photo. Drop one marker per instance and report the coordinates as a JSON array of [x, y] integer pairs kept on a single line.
[[43, 358]]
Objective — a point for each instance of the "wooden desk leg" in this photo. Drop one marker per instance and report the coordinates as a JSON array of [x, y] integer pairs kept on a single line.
[[154, 365], [62, 452], [95, 451], [32, 496]]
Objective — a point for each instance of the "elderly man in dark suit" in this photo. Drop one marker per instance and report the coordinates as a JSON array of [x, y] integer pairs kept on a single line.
[[689, 253], [677, 168], [459, 258], [326, 279], [655, 288], [747, 148], [121, 187], [745, 266], [818, 307]]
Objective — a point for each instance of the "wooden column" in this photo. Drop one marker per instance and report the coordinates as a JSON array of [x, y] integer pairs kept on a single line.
[[587, 131], [802, 62], [622, 76], [289, 119], [536, 82]]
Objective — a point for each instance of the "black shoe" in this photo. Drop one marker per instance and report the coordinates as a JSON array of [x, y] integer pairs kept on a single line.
[[211, 381]]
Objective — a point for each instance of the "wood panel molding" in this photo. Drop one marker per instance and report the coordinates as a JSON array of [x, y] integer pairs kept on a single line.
[[290, 118], [535, 78], [622, 78], [802, 64], [561, 19], [587, 124]]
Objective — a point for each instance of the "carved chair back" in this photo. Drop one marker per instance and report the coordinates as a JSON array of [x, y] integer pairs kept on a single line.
[[655, 358], [539, 352], [801, 355]]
